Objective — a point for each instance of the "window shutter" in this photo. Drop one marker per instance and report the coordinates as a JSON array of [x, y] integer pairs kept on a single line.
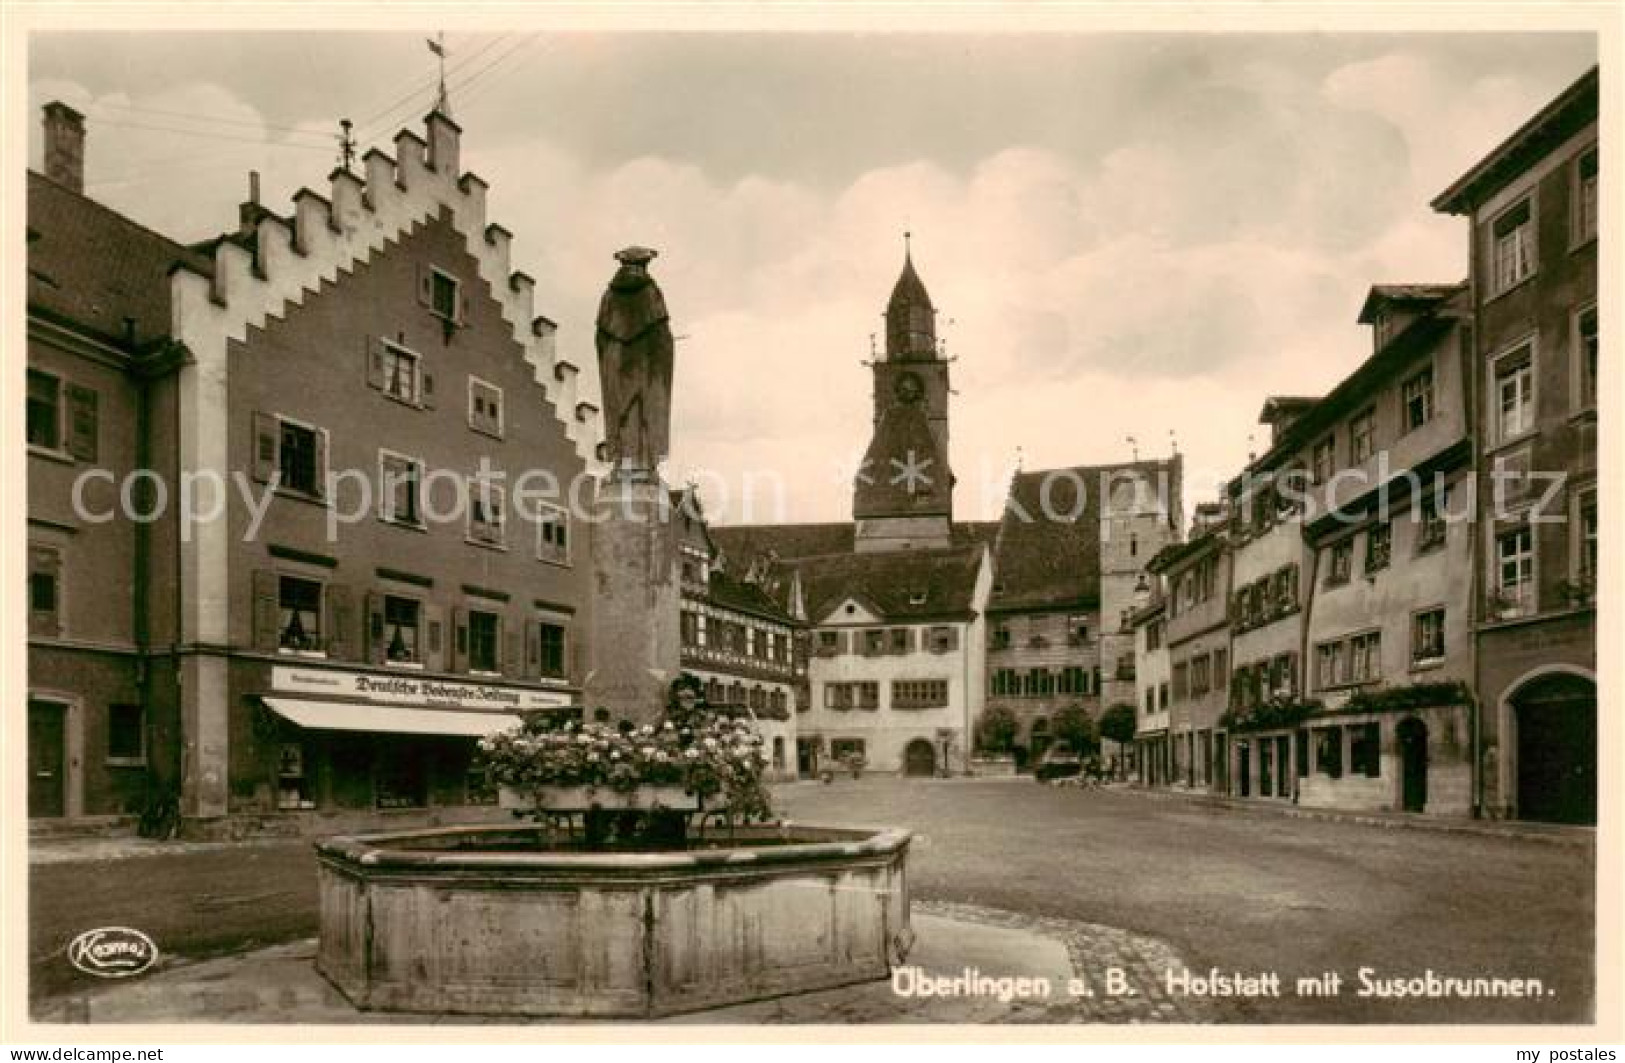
[[842, 641], [81, 422], [572, 650], [512, 663], [425, 285], [48, 562], [953, 639], [340, 622], [266, 442], [266, 586], [434, 620], [459, 643], [533, 648], [321, 463], [375, 362], [375, 628], [426, 392], [462, 305]]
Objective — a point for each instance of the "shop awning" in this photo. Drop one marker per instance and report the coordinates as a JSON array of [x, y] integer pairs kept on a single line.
[[388, 719]]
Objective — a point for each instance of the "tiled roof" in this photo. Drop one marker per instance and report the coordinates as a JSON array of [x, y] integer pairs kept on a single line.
[[1381, 294], [730, 593], [1050, 557], [1574, 108], [93, 268], [743, 543], [902, 585]]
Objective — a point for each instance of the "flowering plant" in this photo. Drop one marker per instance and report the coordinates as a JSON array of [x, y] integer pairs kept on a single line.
[[715, 758]]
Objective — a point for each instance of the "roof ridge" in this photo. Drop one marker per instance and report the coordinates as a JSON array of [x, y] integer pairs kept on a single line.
[[112, 212]]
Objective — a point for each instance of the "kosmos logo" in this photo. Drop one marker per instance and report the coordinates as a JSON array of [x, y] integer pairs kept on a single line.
[[112, 952]]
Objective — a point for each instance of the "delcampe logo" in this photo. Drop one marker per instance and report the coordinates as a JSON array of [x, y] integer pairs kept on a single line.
[[112, 952]]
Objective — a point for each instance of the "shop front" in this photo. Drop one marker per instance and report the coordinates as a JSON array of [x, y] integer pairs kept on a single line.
[[328, 749]]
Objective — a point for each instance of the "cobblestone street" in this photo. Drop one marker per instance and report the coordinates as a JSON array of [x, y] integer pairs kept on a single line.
[[1140, 883]]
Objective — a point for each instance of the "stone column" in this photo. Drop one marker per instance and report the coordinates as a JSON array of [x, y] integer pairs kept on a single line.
[[635, 639]]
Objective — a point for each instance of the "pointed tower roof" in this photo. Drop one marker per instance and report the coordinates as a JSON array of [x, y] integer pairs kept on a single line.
[[911, 320]]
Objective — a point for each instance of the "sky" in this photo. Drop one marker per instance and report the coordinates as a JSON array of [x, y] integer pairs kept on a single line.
[[1126, 236]]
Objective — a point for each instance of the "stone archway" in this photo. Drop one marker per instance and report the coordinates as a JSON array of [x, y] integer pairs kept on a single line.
[[1411, 736], [920, 759], [1554, 715]]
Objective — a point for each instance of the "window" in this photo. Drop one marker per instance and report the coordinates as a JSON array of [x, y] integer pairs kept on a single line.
[[1514, 577], [484, 407], [1365, 657], [1417, 396], [829, 643], [1162, 695], [553, 535], [1324, 460], [487, 512], [842, 748], [1153, 635], [44, 590], [1430, 536], [1587, 554], [484, 637], [299, 624], [874, 643], [868, 695], [1075, 680], [1362, 436], [402, 623], [1379, 546], [126, 734], [1427, 636], [902, 640], [1342, 563], [297, 458], [1513, 247], [44, 410], [1514, 400], [778, 749], [1000, 638], [400, 768], [1329, 665], [1585, 330], [944, 639], [443, 294], [1365, 750], [401, 374], [1079, 628], [1585, 196], [401, 488], [919, 693], [1181, 680]]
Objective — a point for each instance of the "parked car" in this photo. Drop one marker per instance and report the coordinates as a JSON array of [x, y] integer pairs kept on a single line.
[[1058, 762]]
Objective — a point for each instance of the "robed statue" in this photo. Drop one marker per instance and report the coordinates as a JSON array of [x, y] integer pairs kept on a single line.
[[635, 366]]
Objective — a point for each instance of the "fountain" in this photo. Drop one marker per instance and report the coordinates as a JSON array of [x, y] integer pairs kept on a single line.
[[619, 898]]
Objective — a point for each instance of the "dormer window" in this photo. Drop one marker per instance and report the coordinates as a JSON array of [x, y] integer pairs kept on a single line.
[[917, 598]]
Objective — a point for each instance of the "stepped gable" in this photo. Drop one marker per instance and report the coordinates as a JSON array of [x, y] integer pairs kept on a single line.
[[270, 265]]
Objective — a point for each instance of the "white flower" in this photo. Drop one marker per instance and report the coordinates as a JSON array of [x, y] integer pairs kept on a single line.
[[592, 756], [646, 729], [585, 739], [691, 754], [710, 743]]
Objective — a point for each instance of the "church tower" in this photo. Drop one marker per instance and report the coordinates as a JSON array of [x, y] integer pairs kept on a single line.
[[902, 496]]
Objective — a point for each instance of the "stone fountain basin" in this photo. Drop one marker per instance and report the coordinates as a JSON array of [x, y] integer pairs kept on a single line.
[[484, 921]]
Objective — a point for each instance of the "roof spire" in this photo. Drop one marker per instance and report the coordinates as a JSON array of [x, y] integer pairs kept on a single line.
[[438, 47], [911, 327]]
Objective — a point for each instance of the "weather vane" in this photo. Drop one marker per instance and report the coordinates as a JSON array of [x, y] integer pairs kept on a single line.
[[438, 47], [346, 144]]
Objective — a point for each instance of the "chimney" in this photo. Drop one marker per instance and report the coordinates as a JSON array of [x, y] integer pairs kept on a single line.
[[65, 146], [249, 212]]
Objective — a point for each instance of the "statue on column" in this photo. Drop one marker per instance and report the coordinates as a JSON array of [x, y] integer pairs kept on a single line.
[[635, 367]]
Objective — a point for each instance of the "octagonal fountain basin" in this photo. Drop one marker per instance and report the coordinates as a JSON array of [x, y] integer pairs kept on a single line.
[[494, 921]]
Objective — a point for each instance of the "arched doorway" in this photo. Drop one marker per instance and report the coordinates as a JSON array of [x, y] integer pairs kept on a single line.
[[920, 758], [1556, 720], [1038, 738], [1412, 736]]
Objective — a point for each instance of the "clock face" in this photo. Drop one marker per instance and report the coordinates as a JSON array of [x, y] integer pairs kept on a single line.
[[909, 388]]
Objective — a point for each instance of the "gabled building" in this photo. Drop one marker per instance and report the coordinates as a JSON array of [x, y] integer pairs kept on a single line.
[[1532, 207], [362, 382], [747, 648], [1197, 576], [1068, 569]]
